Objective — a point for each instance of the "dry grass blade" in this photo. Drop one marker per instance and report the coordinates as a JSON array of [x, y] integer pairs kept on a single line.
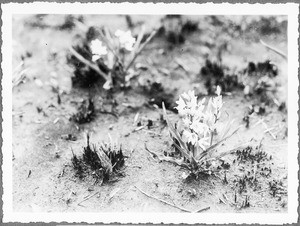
[[108, 41], [163, 201], [19, 78], [88, 63], [179, 162], [105, 160], [87, 198], [138, 42]]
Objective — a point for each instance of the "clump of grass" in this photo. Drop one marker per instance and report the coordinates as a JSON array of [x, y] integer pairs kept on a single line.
[[217, 75], [248, 154], [102, 162], [70, 22], [262, 68], [258, 80], [85, 113], [277, 188], [195, 137], [175, 29]]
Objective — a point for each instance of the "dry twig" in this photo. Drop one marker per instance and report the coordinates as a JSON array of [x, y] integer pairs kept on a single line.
[[170, 204], [88, 197], [274, 49]]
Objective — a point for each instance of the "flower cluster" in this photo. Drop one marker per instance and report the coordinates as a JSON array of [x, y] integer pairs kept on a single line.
[[199, 119], [125, 39], [98, 49]]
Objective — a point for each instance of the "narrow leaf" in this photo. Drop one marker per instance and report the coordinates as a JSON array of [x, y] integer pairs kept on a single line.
[[184, 148]]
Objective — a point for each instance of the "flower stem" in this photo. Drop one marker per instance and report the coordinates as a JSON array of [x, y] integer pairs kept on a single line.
[[211, 137]]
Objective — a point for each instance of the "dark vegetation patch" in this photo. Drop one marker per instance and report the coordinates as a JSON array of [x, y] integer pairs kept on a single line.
[[70, 22], [175, 29], [102, 163], [266, 68], [37, 21], [85, 112], [277, 188], [259, 81], [252, 170], [251, 28], [157, 94], [85, 76], [43, 21], [217, 75], [268, 26]]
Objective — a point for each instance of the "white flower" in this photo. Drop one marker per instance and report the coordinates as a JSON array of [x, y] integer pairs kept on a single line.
[[190, 137], [95, 57], [98, 49], [107, 85], [218, 92], [200, 128], [186, 122], [126, 40], [217, 102], [198, 119], [187, 103], [181, 106]]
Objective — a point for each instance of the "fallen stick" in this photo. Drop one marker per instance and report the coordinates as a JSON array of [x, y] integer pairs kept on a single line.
[[138, 128], [173, 205], [201, 210], [267, 130], [163, 201], [273, 49], [154, 155], [88, 198], [109, 113], [86, 62], [181, 65]]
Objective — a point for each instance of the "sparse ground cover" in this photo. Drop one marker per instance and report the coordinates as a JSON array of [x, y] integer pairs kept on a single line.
[[58, 100]]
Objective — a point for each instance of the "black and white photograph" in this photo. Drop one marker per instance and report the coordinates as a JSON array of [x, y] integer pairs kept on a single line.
[[141, 113]]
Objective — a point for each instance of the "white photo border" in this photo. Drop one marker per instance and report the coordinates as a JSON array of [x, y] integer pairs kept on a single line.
[[289, 9]]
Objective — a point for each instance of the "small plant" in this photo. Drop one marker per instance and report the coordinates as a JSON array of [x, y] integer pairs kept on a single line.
[[111, 56], [194, 137], [101, 162], [85, 113], [277, 188], [258, 79], [215, 74]]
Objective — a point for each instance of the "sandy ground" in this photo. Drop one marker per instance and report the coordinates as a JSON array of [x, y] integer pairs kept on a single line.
[[43, 177]]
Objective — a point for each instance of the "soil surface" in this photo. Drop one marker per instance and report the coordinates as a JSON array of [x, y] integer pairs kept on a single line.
[[43, 177]]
